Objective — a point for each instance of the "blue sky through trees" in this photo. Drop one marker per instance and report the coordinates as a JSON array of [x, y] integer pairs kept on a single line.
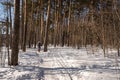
[[1, 12]]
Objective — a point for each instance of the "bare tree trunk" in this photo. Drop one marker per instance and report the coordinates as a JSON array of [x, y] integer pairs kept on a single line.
[[31, 26], [42, 23], [63, 32], [22, 25], [69, 21], [15, 42], [7, 40], [39, 22], [103, 32], [25, 26], [10, 26], [7, 34], [56, 24], [36, 28], [47, 27]]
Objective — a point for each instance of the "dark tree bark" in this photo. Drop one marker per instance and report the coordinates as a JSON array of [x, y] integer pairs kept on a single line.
[[47, 26], [15, 41], [25, 27], [22, 25], [7, 39], [42, 23]]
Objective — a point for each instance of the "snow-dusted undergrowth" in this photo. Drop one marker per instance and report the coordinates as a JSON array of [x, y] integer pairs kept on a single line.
[[63, 64]]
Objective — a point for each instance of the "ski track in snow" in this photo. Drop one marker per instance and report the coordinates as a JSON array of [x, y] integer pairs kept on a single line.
[[62, 64]]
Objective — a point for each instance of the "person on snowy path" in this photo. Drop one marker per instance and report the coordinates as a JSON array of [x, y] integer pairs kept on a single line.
[[39, 46]]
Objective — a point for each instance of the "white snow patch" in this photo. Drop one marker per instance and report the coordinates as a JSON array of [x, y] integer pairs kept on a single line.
[[63, 63]]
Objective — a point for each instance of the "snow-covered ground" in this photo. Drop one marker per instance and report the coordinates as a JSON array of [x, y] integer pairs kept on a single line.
[[64, 64]]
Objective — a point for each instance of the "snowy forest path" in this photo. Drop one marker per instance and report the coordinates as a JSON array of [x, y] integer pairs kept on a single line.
[[61, 64]]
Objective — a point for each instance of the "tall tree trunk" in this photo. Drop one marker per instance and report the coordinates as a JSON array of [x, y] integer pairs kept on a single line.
[[69, 21], [36, 28], [56, 24], [7, 39], [103, 31], [15, 41], [10, 26], [25, 27], [47, 26], [42, 23], [31, 25], [7, 33], [39, 23], [63, 32], [22, 25]]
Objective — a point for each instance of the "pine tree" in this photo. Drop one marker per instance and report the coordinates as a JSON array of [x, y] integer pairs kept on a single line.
[[15, 41]]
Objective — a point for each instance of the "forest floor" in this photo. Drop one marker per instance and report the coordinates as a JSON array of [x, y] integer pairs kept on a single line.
[[64, 63]]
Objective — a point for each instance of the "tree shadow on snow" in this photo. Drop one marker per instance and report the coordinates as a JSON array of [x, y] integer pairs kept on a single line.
[[39, 72], [36, 72]]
